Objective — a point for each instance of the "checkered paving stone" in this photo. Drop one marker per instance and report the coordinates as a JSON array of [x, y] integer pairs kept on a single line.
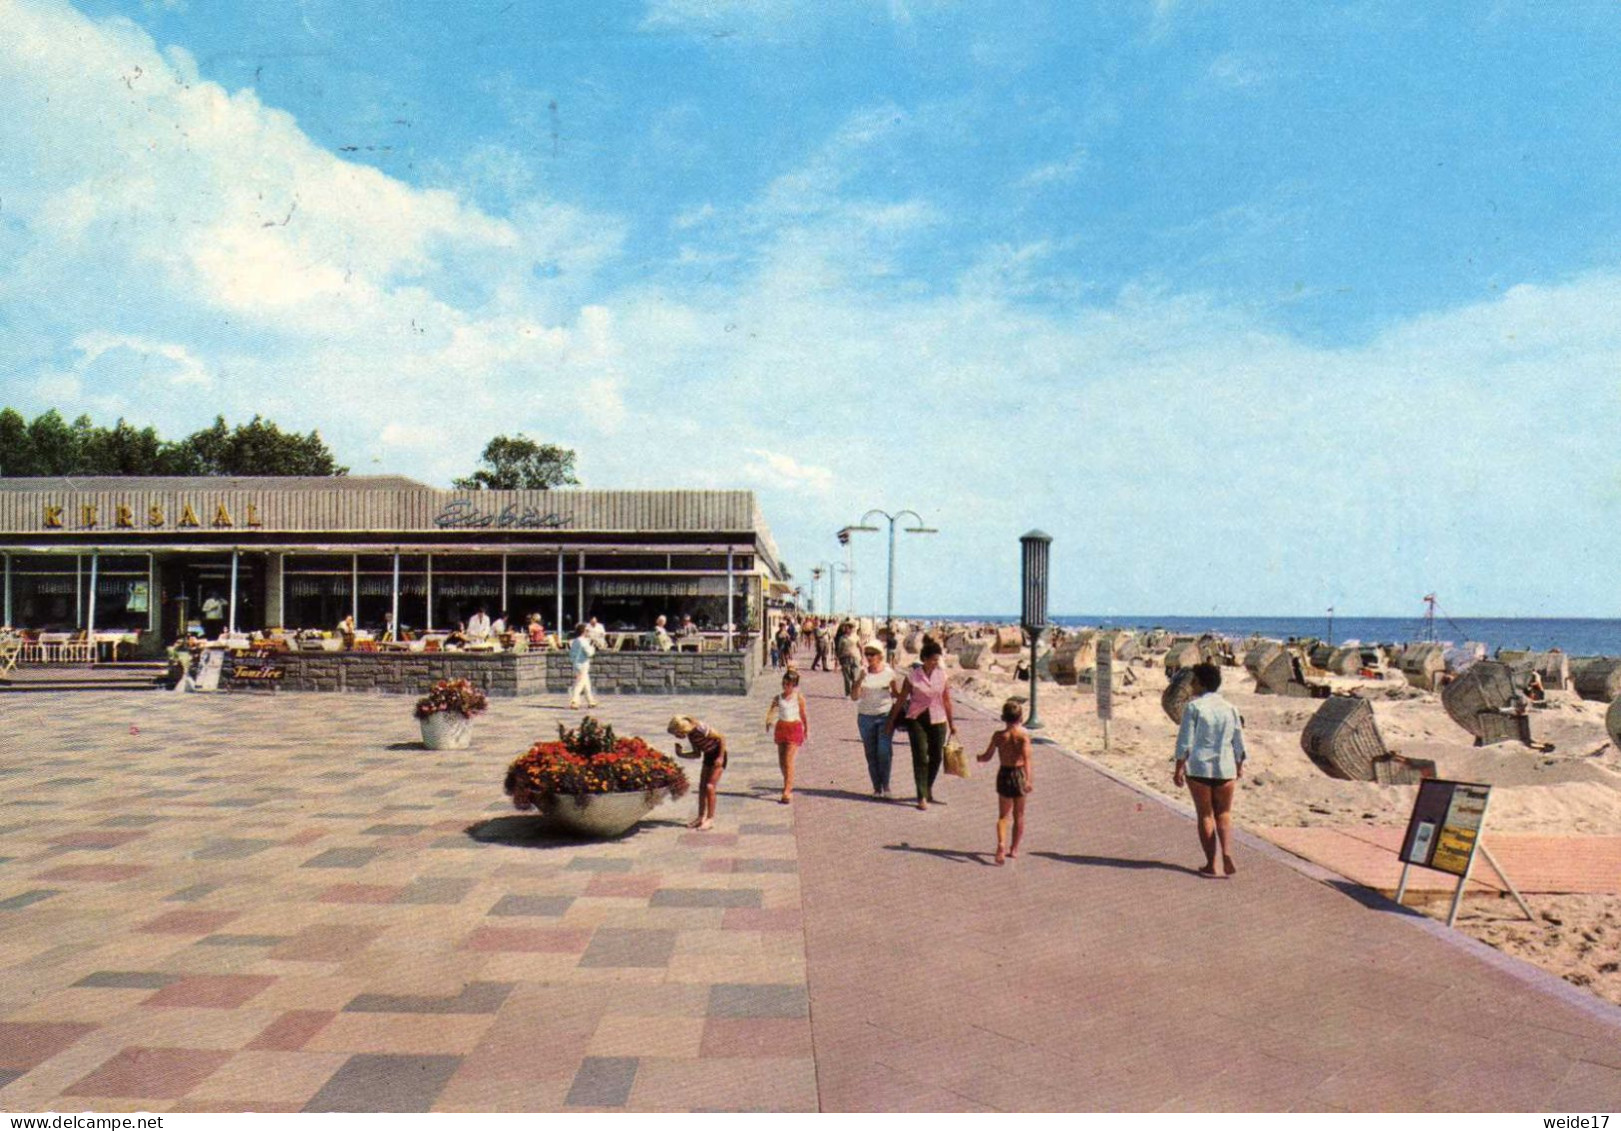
[[307, 911]]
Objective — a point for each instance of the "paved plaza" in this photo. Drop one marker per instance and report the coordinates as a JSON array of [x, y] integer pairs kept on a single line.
[[282, 903]]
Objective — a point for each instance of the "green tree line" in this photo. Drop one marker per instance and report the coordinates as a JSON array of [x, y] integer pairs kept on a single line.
[[49, 445]]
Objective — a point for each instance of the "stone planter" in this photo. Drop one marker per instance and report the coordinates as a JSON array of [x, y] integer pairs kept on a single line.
[[447, 730], [603, 814]]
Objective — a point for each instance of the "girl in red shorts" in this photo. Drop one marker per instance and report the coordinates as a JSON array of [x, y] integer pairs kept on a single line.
[[790, 726]]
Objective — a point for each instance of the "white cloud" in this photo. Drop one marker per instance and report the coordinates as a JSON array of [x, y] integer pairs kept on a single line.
[[1236, 72], [1061, 172], [779, 471], [172, 233]]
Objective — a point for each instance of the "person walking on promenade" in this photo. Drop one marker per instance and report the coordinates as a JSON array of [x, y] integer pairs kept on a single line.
[[1014, 779], [847, 647], [1209, 761], [925, 704], [580, 651], [710, 745], [819, 635], [790, 726], [874, 690], [781, 645]]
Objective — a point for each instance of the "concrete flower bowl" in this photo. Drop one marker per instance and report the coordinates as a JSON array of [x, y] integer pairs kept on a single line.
[[447, 730], [602, 814]]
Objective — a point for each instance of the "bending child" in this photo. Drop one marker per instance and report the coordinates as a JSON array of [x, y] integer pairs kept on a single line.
[[1014, 779], [710, 745]]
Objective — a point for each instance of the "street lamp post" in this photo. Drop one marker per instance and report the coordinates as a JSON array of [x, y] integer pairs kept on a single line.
[[1033, 605], [889, 600], [832, 593]]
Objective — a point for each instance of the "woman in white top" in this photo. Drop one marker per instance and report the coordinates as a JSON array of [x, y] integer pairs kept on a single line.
[[874, 689], [791, 725]]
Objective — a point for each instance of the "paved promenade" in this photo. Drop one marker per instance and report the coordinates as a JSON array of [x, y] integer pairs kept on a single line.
[[280, 903]]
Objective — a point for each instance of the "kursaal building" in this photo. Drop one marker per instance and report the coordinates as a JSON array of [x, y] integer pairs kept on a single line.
[[157, 555]]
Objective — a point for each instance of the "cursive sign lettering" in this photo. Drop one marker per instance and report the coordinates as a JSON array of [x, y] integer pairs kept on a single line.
[[465, 514]]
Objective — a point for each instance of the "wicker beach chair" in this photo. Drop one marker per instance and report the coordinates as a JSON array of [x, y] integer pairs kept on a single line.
[[1184, 652], [1176, 694], [1343, 741], [1612, 722], [1597, 679], [1422, 664], [1072, 656]]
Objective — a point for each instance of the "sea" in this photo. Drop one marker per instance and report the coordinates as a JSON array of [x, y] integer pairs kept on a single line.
[[1578, 637]]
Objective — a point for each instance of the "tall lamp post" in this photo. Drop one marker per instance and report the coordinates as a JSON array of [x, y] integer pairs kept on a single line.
[[889, 601], [821, 570], [1033, 604], [832, 593]]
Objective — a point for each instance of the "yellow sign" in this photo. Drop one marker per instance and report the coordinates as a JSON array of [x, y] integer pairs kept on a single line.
[[1453, 848], [153, 517], [1444, 829]]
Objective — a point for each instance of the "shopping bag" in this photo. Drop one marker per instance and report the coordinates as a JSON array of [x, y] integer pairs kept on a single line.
[[956, 762]]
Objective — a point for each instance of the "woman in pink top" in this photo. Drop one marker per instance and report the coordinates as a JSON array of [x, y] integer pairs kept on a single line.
[[925, 704]]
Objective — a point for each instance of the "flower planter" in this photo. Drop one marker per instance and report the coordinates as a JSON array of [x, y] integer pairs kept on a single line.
[[447, 730], [602, 814]]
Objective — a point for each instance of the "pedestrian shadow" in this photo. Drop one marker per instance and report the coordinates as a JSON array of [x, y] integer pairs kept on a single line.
[[418, 745], [1117, 862], [842, 795], [950, 855]]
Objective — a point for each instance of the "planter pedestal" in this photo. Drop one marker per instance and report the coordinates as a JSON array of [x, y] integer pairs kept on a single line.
[[447, 730], [603, 814]]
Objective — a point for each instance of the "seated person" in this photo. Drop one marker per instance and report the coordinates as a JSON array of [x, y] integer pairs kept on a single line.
[[659, 639], [478, 625], [537, 631]]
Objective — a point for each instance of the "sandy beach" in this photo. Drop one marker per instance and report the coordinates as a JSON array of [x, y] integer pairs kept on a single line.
[[1572, 790]]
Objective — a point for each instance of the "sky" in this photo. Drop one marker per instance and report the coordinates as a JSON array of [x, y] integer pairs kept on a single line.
[[1255, 309]]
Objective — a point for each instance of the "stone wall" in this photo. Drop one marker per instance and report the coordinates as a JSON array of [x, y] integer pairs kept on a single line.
[[523, 673], [658, 673]]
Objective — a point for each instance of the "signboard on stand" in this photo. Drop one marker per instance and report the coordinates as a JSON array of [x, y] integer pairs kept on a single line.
[[209, 667], [1444, 834]]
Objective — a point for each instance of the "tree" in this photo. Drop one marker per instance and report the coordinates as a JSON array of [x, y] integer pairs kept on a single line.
[[255, 448], [49, 445], [517, 463], [17, 455]]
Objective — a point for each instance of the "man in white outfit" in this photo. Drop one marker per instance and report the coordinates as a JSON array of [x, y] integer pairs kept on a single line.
[[580, 651], [478, 625]]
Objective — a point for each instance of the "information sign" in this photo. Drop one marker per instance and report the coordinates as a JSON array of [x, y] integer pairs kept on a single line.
[[1445, 825], [1444, 833]]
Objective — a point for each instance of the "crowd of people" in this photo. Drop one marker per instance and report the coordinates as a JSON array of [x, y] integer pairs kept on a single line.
[[1208, 758]]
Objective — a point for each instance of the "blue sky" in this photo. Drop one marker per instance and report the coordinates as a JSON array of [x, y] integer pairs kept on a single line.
[[1256, 309]]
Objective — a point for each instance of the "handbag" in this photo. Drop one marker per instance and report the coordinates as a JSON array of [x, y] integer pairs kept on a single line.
[[956, 761]]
